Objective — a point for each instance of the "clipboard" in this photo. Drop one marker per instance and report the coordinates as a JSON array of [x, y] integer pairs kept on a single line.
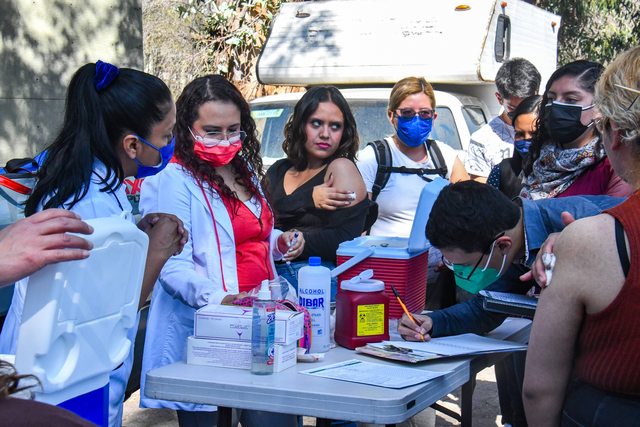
[[508, 303]]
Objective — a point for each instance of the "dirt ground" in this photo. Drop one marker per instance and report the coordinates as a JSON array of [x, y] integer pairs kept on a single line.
[[485, 409]]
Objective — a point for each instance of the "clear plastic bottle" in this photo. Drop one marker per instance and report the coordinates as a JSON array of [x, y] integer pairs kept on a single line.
[[263, 332], [314, 294]]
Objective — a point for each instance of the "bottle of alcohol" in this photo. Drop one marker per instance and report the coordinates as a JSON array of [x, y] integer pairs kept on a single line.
[[314, 294]]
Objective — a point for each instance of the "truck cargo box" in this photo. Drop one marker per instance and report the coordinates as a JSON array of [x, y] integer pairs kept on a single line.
[[354, 42]]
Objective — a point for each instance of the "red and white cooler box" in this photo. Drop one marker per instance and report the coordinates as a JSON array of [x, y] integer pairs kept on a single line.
[[397, 261]]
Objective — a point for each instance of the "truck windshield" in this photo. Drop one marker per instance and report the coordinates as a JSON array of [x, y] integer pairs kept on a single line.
[[371, 119]]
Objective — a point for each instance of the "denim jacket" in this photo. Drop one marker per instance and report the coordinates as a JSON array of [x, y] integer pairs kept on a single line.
[[540, 218]]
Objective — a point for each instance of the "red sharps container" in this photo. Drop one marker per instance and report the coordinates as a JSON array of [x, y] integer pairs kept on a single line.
[[362, 311]]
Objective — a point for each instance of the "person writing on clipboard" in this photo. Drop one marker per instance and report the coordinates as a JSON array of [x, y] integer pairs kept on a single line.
[[490, 241]]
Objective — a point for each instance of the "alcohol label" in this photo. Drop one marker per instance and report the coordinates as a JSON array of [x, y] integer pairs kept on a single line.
[[370, 320]]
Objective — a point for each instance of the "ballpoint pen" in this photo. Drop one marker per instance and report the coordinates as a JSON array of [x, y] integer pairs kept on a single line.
[[292, 243], [404, 308]]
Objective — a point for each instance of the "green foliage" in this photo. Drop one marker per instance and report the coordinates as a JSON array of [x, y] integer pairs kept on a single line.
[[231, 32], [595, 29]]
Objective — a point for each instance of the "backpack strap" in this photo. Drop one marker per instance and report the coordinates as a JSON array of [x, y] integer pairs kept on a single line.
[[383, 158], [386, 168], [438, 159], [622, 247]]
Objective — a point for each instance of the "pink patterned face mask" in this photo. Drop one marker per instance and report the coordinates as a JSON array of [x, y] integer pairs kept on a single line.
[[214, 149]]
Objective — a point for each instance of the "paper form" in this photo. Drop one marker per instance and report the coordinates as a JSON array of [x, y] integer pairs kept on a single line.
[[358, 371], [458, 345]]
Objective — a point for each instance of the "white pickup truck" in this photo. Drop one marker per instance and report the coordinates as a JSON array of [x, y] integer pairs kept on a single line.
[[365, 46], [458, 116]]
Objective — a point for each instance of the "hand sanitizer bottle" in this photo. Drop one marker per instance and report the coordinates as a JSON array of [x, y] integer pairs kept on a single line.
[[314, 294], [263, 332]]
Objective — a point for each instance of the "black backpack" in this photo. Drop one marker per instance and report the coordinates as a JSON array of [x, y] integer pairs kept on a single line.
[[386, 168]]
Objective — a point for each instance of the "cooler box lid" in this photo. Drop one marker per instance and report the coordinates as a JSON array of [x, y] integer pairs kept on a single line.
[[400, 247], [418, 241], [383, 247], [77, 314]]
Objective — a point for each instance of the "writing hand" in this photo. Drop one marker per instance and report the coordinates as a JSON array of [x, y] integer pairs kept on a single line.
[[411, 331]]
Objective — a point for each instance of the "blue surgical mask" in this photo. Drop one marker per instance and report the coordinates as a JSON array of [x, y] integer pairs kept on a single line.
[[166, 153], [473, 279], [415, 131], [522, 146]]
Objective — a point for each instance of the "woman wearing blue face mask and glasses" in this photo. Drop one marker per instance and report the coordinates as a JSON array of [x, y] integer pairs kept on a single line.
[[567, 157], [118, 123], [412, 113]]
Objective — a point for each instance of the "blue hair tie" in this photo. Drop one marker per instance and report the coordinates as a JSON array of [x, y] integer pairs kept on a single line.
[[105, 74]]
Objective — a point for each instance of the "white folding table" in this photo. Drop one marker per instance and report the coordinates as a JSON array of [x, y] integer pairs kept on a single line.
[[293, 393]]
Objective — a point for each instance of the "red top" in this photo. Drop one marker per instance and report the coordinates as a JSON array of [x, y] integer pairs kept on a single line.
[[253, 255], [599, 179], [608, 354]]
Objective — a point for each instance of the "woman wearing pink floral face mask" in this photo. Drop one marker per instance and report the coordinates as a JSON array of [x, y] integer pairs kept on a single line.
[[213, 185]]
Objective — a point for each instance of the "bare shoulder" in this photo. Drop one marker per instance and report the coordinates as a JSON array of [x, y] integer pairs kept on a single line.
[[347, 177], [341, 165], [584, 233], [343, 170], [583, 253]]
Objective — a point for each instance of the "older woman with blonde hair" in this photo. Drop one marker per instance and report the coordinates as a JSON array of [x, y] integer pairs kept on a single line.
[[583, 364]]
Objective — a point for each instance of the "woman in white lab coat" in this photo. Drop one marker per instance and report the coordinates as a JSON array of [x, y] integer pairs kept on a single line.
[[213, 186], [118, 123]]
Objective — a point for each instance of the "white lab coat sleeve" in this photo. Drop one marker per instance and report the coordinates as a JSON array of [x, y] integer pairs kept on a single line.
[[275, 252], [183, 277]]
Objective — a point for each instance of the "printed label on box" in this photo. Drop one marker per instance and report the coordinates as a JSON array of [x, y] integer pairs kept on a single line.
[[235, 323]]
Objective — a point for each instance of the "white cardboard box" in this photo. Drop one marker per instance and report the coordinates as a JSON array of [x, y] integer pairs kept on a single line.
[[221, 353], [235, 354], [232, 322]]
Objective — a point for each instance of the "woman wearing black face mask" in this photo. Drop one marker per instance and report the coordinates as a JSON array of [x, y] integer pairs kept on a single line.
[[566, 157]]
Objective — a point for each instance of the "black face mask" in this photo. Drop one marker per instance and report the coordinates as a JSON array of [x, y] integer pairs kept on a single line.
[[563, 121]]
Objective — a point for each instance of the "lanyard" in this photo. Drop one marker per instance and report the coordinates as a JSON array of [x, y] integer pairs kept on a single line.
[[14, 185], [215, 230]]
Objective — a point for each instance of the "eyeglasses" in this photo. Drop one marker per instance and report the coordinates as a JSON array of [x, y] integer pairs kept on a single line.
[[408, 113], [212, 139], [601, 124], [449, 264], [630, 90], [604, 123]]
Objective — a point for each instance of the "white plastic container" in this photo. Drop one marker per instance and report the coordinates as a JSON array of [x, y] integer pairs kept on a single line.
[[263, 332], [77, 314], [314, 294]]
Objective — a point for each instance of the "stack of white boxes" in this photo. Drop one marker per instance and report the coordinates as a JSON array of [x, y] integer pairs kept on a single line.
[[222, 337]]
